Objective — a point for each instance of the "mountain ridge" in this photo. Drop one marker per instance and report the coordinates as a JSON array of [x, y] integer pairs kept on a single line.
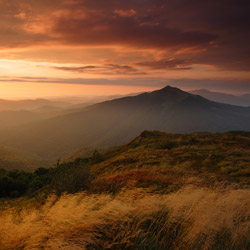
[[240, 100], [115, 122], [29, 104]]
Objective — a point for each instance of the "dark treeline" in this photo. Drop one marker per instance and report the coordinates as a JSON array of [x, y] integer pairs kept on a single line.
[[16, 183], [68, 177]]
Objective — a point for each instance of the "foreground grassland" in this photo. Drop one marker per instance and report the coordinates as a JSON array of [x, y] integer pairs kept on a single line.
[[161, 191]]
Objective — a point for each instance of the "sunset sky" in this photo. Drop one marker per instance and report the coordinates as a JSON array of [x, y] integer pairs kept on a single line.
[[50, 48]]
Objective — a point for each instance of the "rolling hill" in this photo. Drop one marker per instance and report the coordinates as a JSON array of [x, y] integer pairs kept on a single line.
[[13, 118], [13, 159], [29, 104], [117, 121], [241, 100]]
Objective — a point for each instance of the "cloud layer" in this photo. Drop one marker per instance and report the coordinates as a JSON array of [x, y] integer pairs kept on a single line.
[[161, 35]]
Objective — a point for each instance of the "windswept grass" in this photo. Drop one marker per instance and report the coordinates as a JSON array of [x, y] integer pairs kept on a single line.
[[192, 218], [161, 191]]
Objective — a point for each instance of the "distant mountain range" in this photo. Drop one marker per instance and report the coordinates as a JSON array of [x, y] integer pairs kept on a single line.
[[29, 104], [12, 159], [115, 122], [15, 113], [14, 118], [241, 100]]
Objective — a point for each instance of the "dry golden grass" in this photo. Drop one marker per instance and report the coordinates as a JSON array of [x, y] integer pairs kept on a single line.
[[192, 218]]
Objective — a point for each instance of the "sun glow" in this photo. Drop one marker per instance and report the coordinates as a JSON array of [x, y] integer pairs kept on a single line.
[[19, 90]]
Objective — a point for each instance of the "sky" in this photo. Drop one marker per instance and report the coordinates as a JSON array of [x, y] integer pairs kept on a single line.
[[102, 47]]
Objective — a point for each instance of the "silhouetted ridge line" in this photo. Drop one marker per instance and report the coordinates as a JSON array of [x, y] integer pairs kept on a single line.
[[116, 122]]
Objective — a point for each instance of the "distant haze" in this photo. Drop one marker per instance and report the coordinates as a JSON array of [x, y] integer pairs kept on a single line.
[[115, 122], [241, 100]]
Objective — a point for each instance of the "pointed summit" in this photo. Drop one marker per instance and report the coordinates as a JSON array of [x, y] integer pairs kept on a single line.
[[168, 95], [170, 88]]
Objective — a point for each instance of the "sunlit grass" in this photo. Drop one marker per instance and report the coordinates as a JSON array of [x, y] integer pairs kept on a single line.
[[192, 218], [161, 191]]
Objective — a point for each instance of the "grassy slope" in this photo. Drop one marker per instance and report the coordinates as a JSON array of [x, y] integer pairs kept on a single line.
[[82, 153], [161, 191], [167, 160]]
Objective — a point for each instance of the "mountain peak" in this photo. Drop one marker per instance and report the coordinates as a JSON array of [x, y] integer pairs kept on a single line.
[[169, 92], [170, 88]]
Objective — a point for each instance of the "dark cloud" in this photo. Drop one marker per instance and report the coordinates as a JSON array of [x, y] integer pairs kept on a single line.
[[77, 69], [216, 32], [135, 69], [229, 20], [206, 32], [109, 69], [140, 24], [168, 64]]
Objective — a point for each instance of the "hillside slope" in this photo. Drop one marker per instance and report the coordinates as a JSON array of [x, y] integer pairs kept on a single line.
[[82, 153], [116, 122], [160, 191], [156, 159]]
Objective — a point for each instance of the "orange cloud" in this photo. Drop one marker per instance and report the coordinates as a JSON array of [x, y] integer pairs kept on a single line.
[[125, 13], [106, 69]]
